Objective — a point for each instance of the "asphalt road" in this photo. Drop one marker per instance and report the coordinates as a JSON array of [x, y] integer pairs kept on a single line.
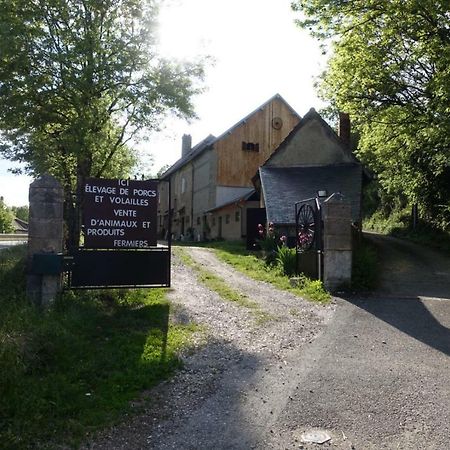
[[379, 376]]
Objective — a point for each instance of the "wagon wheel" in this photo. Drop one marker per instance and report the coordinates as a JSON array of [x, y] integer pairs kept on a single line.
[[306, 227]]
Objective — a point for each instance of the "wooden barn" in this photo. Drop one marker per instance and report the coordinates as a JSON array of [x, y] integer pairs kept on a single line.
[[211, 184]]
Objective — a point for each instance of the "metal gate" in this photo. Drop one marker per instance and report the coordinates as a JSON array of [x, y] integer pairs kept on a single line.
[[309, 237]]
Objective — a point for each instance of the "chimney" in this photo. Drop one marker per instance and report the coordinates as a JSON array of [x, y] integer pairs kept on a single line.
[[344, 128], [186, 144]]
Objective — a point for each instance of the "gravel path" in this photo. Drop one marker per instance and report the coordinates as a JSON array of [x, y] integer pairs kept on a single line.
[[235, 385]]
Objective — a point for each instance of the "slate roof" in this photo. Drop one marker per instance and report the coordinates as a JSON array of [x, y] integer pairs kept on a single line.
[[210, 140], [195, 151], [20, 226], [239, 198], [284, 186]]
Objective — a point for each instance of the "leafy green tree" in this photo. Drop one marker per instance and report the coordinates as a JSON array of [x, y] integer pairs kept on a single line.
[[79, 79], [390, 69], [6, 218], [21, 212]]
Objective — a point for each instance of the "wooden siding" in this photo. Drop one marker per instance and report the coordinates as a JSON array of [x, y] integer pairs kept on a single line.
[[235, 166]]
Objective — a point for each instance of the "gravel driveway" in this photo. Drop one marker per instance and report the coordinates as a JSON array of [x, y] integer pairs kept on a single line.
[[372, 373], [234, 386]]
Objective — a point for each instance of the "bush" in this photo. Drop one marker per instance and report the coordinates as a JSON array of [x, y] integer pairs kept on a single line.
[[268, 242], [6, 218], [287, 260]]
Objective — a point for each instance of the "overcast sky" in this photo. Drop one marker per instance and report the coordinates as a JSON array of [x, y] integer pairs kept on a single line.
[[258, 52]]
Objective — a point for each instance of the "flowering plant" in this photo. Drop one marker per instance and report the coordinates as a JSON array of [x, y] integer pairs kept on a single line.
[[268, 241], [305, 238]]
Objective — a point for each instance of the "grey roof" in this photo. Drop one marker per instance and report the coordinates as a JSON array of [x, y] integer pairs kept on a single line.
[[284, 186], [210, 140], [20, 225], [239, 198], [195, 151]]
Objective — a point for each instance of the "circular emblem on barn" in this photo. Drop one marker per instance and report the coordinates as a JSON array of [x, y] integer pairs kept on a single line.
[[277, 123]]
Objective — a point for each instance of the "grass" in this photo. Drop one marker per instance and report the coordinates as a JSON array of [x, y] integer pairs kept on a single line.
[[398, 224], [222, 288], [70, 370], [235, 254]]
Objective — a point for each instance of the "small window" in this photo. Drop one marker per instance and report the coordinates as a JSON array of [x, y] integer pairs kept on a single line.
[[250, 146], [183, 185], [198, 220], [237, 216], [227, 218]]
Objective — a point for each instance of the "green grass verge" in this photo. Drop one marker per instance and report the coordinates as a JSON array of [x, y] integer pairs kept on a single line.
[[398, 224], [70, 370], [235, 254], [221, 287]]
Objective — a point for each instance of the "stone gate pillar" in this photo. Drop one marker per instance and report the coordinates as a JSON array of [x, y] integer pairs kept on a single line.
[[45, 239], [337, 242]]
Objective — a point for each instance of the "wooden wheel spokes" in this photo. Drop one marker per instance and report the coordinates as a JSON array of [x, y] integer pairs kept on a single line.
[[306, 227]]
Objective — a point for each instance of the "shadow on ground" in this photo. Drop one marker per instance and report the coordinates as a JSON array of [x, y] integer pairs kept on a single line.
[[414, 291], [204, 406], [410, 270], [424, 320]]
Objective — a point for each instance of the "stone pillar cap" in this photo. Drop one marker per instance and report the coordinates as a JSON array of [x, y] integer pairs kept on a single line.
[[45, 180]]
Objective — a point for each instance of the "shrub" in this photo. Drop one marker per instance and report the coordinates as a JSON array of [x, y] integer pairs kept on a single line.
[[268, 241], [287, 260]]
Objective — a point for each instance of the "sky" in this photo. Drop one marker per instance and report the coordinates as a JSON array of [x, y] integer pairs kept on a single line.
[[258, 51]]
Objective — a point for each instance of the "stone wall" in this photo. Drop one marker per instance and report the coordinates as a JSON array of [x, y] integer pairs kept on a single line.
[[337, 242]]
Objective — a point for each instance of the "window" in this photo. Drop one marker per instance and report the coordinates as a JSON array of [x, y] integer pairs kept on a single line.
[[198, 220], [227, 218], [237, 216], [213, 221], [250, 146], [183, 185]]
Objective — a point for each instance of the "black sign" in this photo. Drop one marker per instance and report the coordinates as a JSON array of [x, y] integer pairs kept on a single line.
[[146, 268], [120, 214]]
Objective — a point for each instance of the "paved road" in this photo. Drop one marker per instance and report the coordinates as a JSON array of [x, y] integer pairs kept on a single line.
[[379, 376]]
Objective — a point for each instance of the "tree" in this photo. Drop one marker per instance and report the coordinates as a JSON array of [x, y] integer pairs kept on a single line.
[[6, 218], [390, 70], [78, 80], [162, 170], [21, 212]]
